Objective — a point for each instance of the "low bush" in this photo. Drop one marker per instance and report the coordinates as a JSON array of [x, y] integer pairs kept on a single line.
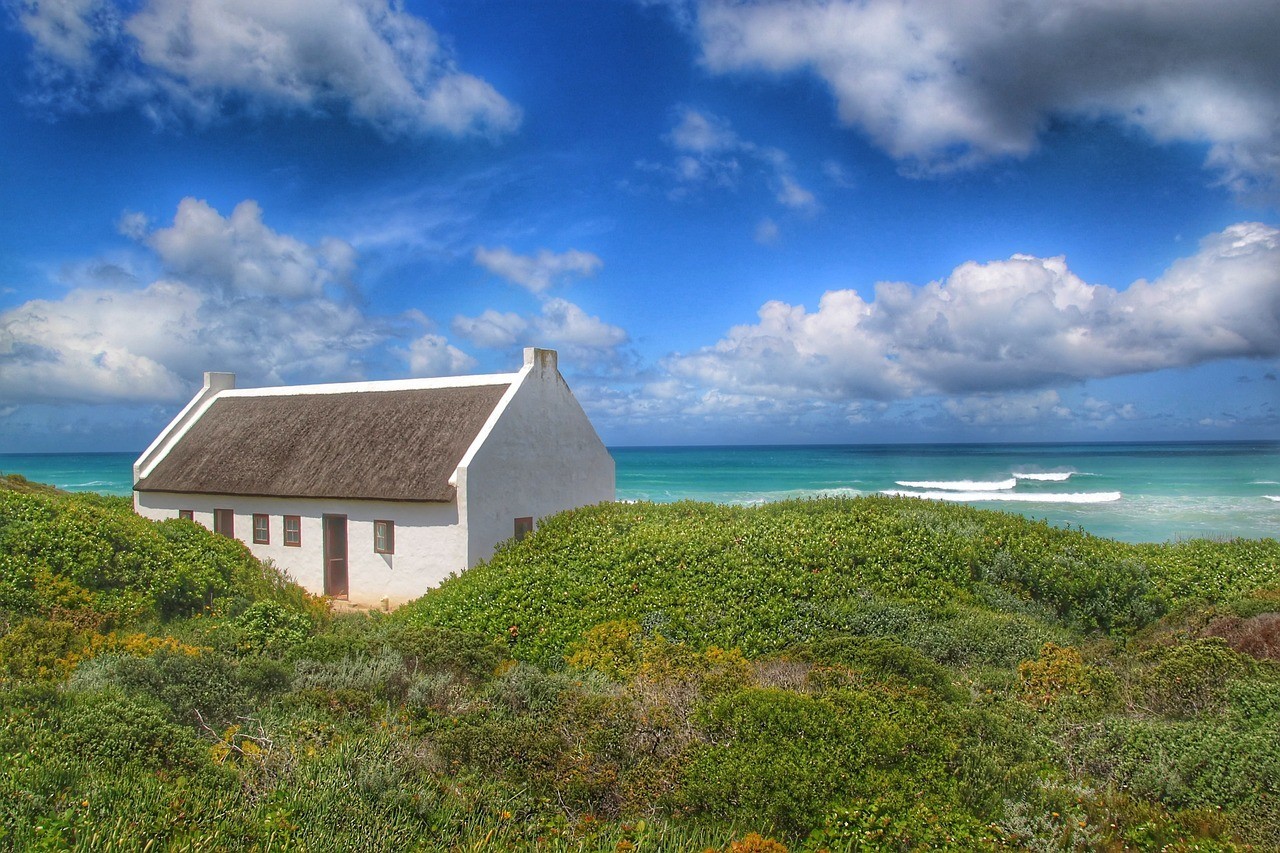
[[1060, 679], [62, 552], [885, 660], [787, 760], [196, 690], [118, 729], [1190, 678], [1257, 636]]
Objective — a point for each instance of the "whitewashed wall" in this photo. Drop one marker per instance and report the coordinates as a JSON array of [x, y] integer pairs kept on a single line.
[[429, 541], [540, 456]]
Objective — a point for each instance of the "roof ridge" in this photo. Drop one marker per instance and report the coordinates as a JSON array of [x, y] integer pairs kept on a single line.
[[367, 386]]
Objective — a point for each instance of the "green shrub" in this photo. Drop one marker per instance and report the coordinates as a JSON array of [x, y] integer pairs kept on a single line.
[[429, 648], [193, 688], [39, 649], [766, 578], [1206, 763], [383, 677], [119, 730], [1190, 678], [267, 627], [788, 760], [885, 660], [1059, 678], [89, 553], [893, 821]]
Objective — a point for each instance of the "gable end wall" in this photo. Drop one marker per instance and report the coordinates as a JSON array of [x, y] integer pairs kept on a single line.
[[540, 456]]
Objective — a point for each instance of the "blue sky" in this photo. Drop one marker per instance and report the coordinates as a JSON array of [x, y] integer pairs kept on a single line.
[[738, 222]]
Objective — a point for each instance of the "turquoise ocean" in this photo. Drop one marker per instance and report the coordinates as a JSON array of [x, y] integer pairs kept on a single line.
[[1133, 492]]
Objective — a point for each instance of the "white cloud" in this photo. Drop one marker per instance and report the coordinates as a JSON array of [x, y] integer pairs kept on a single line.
[[562, 322], [200, 59], [235, 295], [1007, 409], [711, 153], [703, 134], [559, 322], [246, 257], [794, 196], [133, 224], [492, 329], [1025, 323], [433, 355], [767, 233], [538, 272], [946, 85], [63, 31]]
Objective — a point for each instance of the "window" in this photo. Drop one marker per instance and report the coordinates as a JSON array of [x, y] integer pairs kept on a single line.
[[524, 526], [292, 531], [384, 537], [188, 514], [261, 528], [224, 522]]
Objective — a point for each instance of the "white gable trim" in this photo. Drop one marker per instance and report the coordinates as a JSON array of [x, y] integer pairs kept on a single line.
[[214, 384], [494, 417], [425, 384]]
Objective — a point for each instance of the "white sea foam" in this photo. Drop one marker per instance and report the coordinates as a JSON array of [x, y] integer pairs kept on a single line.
[[1275, 498], [960, 485], [761, 498], [840, 492], [1047, 477], [1031, 497]]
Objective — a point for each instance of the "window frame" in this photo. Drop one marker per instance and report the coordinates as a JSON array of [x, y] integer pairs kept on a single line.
[[229, 528], [261, 528], [524, 526], [387, 528], [297, 531], [187, 514]]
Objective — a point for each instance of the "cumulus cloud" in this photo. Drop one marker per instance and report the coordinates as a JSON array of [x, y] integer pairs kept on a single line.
[[941, 86], [242, 255], [540, 271], [433, 355], [199, 59], [233, 295], [492, 329], [560, 323], [711, 154], [1018, 325]]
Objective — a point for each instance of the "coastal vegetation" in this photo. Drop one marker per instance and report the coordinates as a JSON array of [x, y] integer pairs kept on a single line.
[[840, 674]]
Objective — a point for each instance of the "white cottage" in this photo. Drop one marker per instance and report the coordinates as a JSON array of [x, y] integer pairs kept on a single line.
[[377, 491]]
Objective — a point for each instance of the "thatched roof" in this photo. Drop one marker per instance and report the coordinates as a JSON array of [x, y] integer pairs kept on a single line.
[[397, 445]]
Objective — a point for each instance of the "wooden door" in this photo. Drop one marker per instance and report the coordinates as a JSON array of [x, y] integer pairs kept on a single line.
[[335, 556]]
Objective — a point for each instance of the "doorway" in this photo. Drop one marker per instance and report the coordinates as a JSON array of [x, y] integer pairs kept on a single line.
[[335, 556]]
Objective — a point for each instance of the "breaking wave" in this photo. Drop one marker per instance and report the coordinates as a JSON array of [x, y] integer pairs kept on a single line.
[[1275, 498], [960, 485], [1043, 497], [1049, 477]]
